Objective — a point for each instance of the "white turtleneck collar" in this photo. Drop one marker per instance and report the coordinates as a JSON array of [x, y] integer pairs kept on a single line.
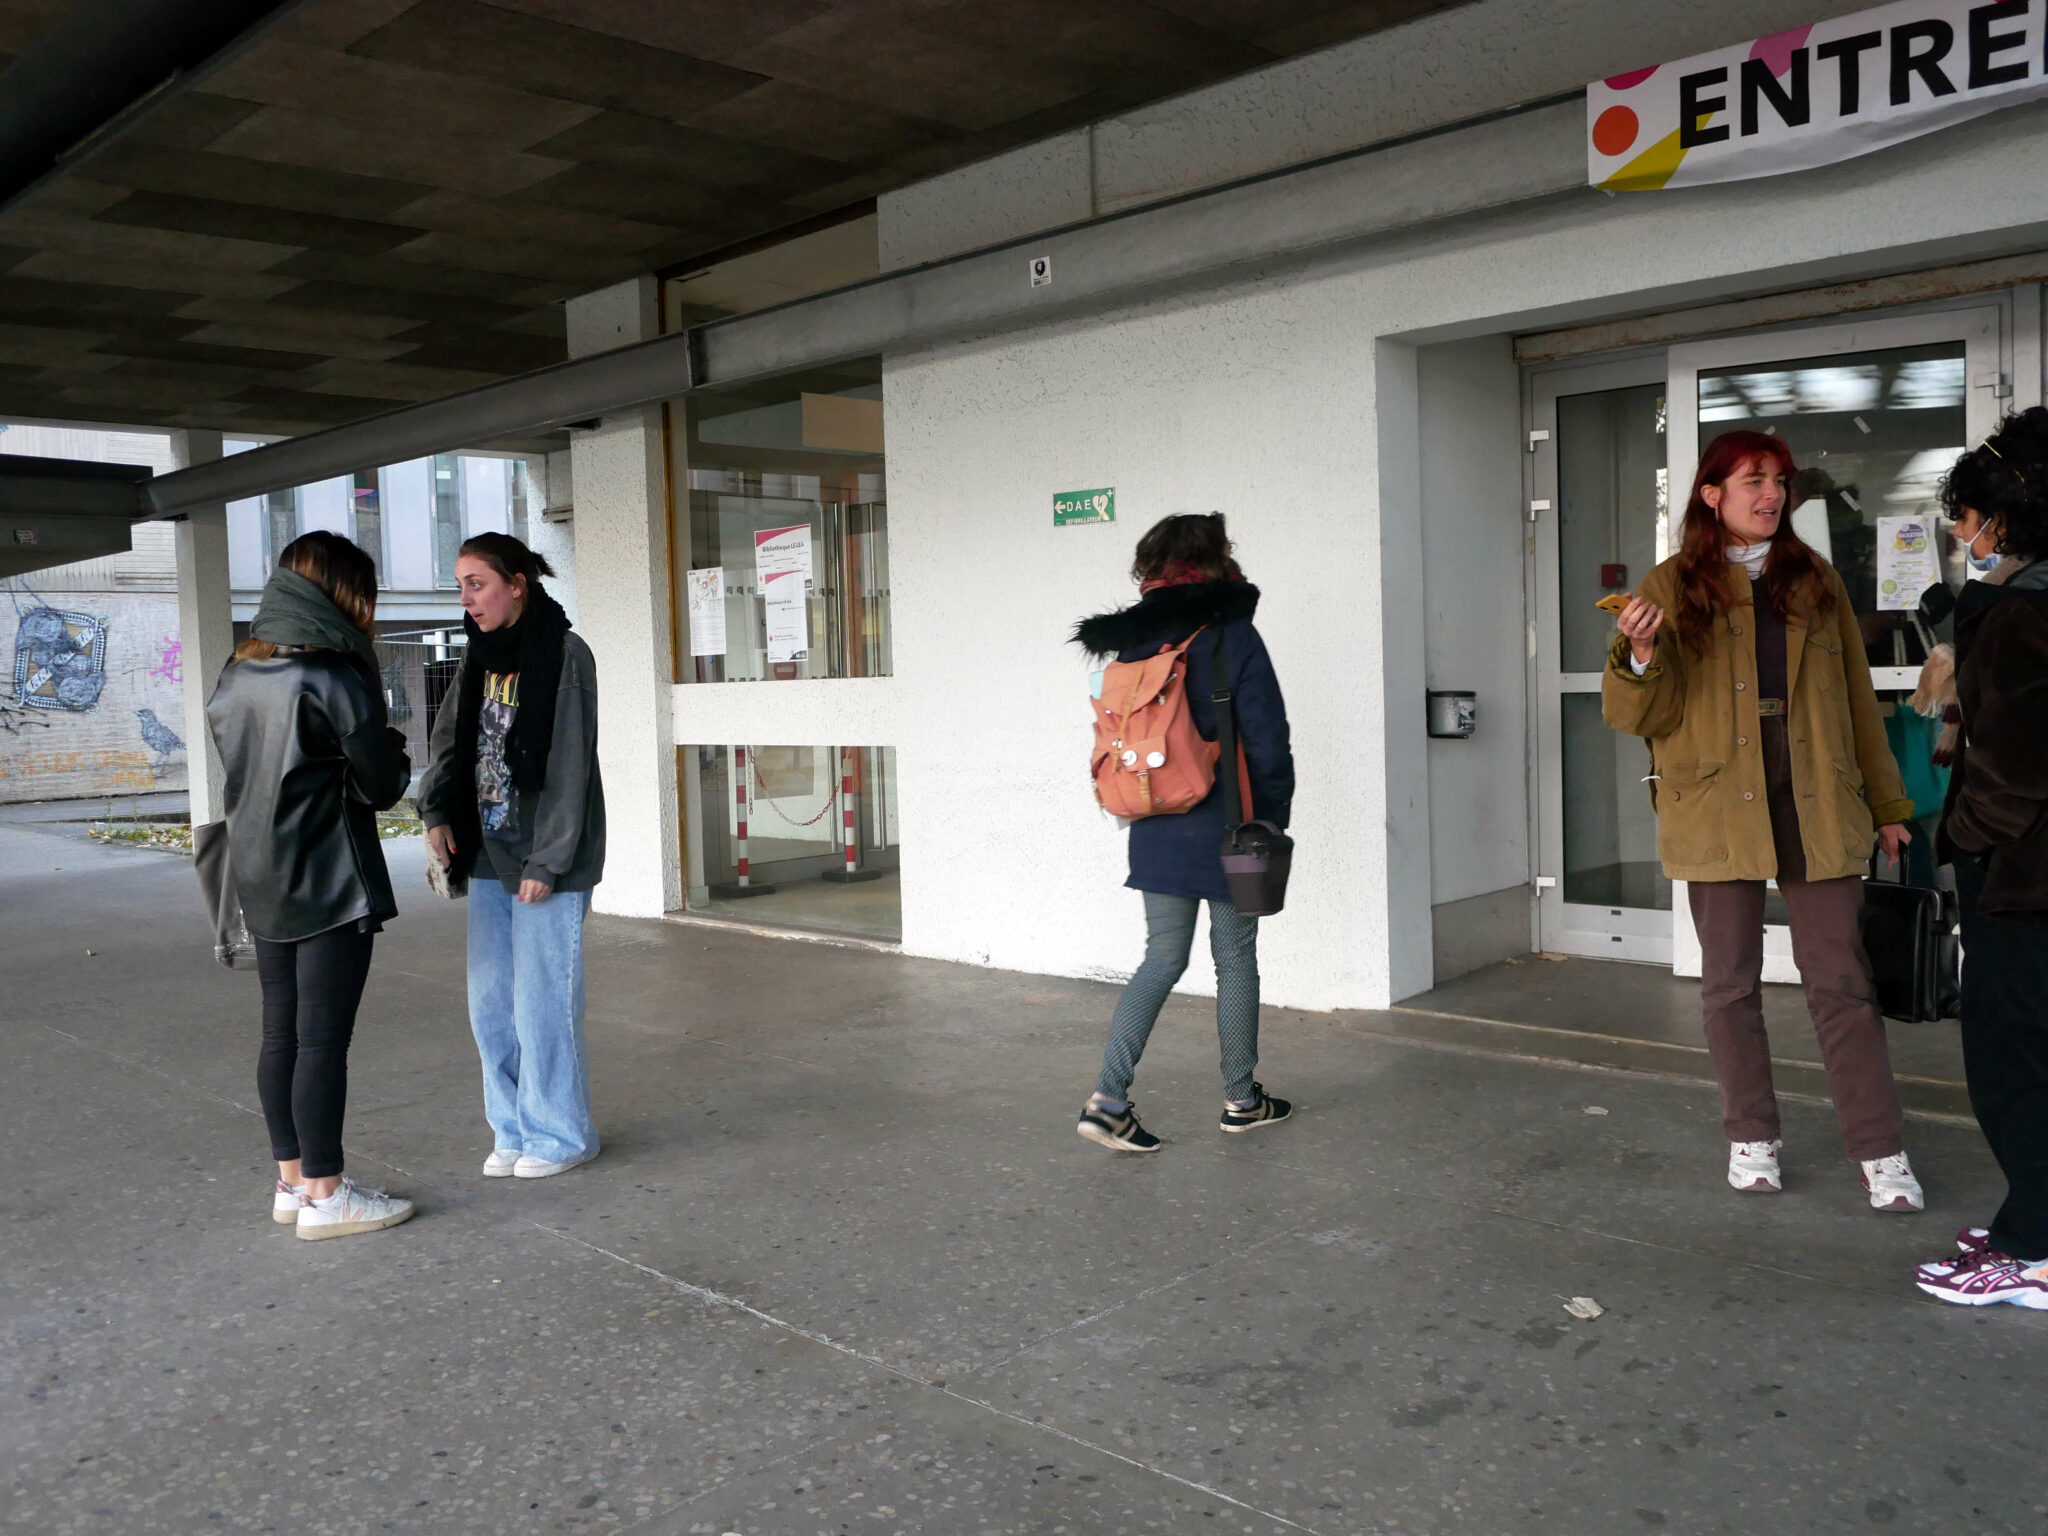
[[1750, 557]]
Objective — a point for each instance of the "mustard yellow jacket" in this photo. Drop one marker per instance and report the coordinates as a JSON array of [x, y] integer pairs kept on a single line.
[[1700, 716]]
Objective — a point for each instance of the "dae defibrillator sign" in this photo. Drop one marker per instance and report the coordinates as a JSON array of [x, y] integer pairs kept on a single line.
[[1814, 95], [1084, 507]]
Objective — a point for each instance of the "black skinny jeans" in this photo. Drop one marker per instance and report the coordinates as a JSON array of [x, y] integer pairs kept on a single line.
[[2005, 1059], [310, 991]]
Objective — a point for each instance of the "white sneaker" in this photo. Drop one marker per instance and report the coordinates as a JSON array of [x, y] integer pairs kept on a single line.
[[537, 1168], [1753, 1167], [284, 1205], [351, 1209], [1892, 1185], [500, 1163]]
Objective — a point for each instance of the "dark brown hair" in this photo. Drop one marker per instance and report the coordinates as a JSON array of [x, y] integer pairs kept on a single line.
[[508, 557], [2005, 478], [337, 567], [1794, 571], [1190, 546]]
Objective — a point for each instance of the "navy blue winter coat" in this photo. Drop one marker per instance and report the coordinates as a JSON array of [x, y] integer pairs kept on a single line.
[[1182, 855]]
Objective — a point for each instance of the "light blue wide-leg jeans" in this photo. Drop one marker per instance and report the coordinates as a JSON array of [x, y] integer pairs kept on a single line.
[[526, 1011]]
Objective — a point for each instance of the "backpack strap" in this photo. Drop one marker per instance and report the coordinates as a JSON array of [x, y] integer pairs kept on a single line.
[[1229, 749]]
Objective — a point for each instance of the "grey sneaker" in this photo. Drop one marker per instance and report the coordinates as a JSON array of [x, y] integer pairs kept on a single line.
[[351, 1209]]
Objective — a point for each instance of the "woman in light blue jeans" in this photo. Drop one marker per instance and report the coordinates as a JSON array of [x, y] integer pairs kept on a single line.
[[513, 792]]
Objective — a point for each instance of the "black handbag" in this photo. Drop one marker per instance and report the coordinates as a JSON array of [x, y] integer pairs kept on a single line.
[[1910, 934], [232, 946], [1257, 855]]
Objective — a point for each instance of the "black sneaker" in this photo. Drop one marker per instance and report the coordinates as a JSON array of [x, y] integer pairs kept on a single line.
[[1265, 1110], [1119, 1133]]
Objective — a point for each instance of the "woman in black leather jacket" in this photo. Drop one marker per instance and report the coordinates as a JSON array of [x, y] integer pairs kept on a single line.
[[298, 716]]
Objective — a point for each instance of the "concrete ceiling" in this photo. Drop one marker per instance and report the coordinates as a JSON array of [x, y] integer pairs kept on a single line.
[[378, 202]]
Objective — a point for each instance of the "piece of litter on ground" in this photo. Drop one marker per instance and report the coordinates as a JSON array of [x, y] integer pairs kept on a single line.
[[90, 953], [1583, 1307], [1595, 1109]]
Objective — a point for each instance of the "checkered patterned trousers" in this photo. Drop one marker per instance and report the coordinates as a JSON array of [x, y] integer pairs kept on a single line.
[[1170, 935]]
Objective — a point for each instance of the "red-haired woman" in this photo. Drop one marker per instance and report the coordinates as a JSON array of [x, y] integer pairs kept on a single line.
[[1739, 659]]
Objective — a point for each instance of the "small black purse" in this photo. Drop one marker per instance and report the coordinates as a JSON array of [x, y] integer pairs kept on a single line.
[[1910, 934], [1257, 855]]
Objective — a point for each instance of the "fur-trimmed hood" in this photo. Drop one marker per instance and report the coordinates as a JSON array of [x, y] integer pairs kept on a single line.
[[1166, 617]]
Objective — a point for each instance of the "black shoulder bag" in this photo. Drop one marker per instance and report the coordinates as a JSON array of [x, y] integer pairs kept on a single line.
[[1256, 854]]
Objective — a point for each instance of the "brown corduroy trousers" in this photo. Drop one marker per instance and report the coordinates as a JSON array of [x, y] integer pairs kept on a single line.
[[1840, 995]]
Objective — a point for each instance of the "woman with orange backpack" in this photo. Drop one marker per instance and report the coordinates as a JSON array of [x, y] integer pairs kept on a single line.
[[1193, 599]]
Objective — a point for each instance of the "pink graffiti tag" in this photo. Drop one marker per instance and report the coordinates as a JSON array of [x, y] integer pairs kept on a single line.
[[171, 666]]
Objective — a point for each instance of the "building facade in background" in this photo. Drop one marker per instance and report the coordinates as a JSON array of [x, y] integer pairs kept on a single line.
[[92, 670]]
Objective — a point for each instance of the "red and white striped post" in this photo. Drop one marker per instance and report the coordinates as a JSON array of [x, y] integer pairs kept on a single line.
[[743, 802], [849, 803], [740, 796]]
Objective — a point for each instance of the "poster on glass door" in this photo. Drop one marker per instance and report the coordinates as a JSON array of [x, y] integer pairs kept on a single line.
[[707, 611], [1907, 561], [782, 566], [1814, 95]]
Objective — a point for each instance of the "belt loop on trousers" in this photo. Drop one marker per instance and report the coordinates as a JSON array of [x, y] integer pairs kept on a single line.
[[1770, 706]]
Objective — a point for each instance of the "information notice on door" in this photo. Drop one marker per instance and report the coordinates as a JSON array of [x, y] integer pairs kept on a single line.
[[1814, 95], [707, 611], [1907, 561]]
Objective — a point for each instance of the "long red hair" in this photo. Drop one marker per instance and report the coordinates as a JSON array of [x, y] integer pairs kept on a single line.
[[1796, 573]]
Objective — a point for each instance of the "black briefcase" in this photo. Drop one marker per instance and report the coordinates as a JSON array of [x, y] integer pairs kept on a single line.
[[1915, 950]]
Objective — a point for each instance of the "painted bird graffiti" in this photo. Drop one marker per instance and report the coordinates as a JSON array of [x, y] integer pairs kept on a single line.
[[158, 737]]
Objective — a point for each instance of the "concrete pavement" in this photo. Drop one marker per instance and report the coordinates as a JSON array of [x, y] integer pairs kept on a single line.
[[844, 1267]]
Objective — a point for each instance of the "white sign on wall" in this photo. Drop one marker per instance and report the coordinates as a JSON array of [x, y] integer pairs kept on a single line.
[[1814, 95]]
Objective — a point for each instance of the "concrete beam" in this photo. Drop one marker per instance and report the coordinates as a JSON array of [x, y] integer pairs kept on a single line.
[[1522, 155]]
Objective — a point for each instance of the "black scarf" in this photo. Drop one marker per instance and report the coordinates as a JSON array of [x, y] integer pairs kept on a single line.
[[532, 648]]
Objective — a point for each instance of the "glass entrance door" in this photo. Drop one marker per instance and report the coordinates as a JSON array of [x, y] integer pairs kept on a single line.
[[1597, 505], [1875, 412]]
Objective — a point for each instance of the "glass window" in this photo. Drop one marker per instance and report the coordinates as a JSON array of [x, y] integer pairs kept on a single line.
[[1873, 432], [782, 529], [799, 837], [368, 517], [280, 524], [448, 524]]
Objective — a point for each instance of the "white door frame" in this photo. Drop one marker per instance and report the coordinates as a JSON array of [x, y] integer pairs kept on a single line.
[[1571, 928], [1981, 326]]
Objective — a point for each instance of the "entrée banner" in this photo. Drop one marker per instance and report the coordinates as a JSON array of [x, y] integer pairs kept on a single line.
[[1814, 95]]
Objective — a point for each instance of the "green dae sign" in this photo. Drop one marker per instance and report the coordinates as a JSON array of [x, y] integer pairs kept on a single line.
[[1083, 507]]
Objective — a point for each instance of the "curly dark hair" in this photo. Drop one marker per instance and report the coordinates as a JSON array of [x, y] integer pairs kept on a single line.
[[2005, 478], [1196, 543]]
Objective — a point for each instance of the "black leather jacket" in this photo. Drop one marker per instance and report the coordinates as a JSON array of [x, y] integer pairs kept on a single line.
[[309, 763]]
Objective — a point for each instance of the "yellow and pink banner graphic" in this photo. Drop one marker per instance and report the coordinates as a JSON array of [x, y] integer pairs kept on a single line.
[[1814, 95]]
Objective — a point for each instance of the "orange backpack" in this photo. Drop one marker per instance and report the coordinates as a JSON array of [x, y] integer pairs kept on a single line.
[[1149, 760]]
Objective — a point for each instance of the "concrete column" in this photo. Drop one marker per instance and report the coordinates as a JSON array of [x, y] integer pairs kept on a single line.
[[622, 579], [1402, 680], [206, 623]]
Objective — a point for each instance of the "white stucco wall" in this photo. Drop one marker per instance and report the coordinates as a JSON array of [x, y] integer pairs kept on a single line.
[[1281, 402]]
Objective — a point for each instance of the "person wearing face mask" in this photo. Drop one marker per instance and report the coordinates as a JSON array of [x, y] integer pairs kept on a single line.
[[1994, 830], [512, 791], [1741, 663]]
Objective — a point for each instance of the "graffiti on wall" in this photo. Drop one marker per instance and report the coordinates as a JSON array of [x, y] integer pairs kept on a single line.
[[91, 695], [60, 659]]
